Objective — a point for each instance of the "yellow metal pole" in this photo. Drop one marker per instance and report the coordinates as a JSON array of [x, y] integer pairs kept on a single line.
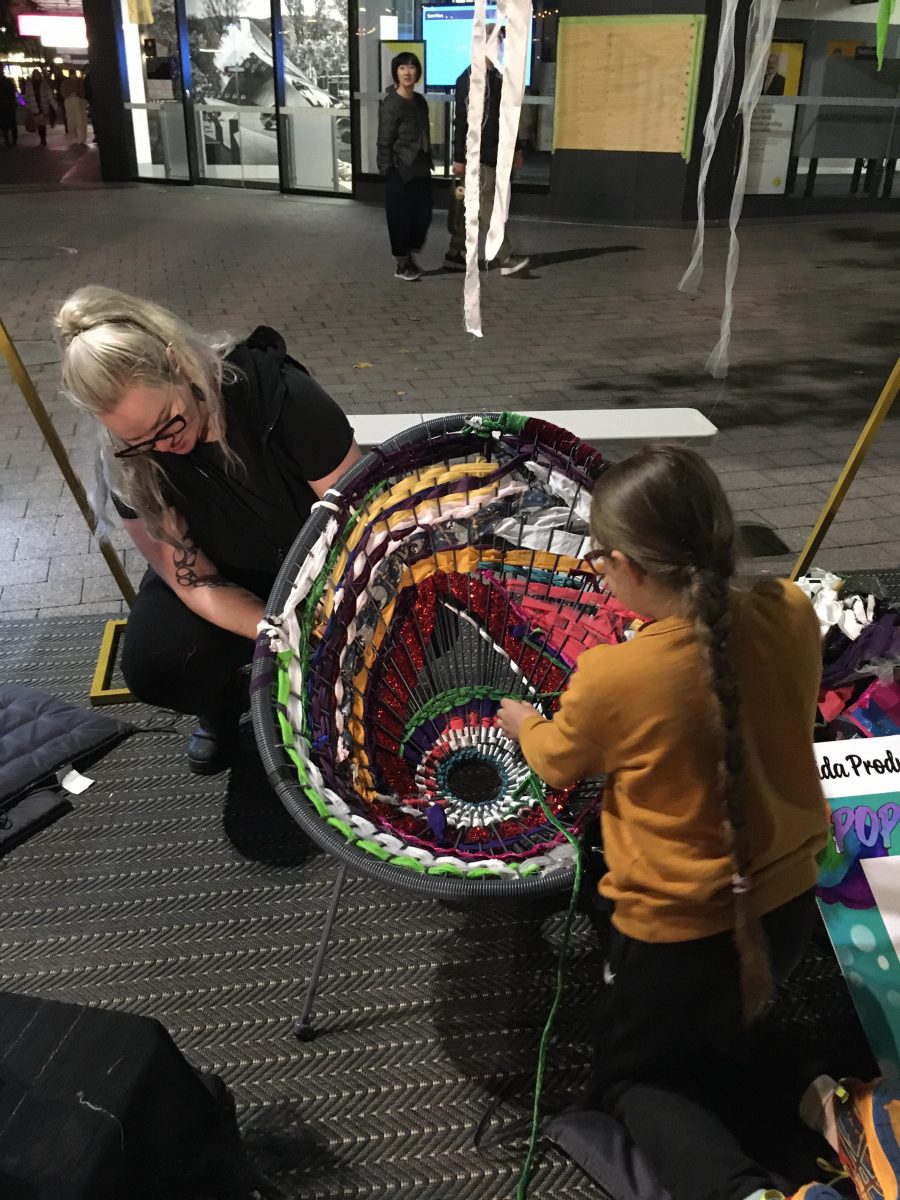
[[42, 417], [851, 467]]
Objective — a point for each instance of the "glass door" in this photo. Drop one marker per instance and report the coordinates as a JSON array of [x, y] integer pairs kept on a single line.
[[316, 109], [155, 95], [234, 91]]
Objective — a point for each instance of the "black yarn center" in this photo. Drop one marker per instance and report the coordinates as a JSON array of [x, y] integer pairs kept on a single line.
[[474, 780]]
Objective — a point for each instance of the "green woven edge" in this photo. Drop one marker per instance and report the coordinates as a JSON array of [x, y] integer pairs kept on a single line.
[[693, 86], [506, 422]]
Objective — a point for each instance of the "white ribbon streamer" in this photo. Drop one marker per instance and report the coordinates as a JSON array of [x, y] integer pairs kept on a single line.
[[723, 85], [760, 27], [472, 285], [516, 21]]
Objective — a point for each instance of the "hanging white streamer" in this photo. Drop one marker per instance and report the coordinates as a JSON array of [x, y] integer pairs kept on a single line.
[[472, 286], [516, 21], [761, 26], [723, 85]]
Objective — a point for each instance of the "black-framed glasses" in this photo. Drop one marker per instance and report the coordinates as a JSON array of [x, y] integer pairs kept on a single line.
[[170, 429]]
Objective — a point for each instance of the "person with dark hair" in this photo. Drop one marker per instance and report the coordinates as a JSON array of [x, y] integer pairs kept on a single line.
[[404, 159], [39, 107], [9, 97], [213, 454], [711, 821]]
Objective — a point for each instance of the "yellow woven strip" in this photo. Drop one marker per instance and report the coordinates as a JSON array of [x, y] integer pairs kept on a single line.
[[410, 488]]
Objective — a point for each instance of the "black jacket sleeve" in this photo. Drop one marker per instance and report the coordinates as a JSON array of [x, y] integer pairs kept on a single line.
[[461, 117], [388, 122]]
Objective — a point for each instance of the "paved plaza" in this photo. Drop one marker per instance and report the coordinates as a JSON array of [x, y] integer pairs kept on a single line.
[[597, 322]]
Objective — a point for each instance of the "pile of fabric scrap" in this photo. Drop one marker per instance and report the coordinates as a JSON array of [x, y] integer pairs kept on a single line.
[[860, 694]]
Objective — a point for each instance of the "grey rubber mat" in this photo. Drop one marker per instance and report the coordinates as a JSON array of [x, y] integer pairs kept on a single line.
[[200, 903]]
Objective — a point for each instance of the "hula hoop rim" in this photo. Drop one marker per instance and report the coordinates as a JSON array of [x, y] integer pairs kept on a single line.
[[278, 766]]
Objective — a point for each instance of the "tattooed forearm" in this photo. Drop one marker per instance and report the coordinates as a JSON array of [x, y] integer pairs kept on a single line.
[[185, 558]]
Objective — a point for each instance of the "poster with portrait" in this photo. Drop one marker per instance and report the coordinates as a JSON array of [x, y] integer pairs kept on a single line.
[[772, 127], [859, 881]]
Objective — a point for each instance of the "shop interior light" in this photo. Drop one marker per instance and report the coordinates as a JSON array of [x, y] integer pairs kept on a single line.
[[57, 31]]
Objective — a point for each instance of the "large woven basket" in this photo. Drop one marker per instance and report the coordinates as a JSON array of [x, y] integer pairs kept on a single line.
[[444, 571]]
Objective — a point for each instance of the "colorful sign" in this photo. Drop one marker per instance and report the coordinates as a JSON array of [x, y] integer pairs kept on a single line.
[[859, 881]]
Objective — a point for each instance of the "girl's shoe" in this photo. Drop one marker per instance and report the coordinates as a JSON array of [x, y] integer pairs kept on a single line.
[[868, 1124]]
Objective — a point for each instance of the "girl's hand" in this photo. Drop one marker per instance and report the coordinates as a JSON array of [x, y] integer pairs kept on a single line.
[[511, 714]]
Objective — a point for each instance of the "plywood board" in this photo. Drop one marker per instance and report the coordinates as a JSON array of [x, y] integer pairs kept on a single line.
[[627, 83]]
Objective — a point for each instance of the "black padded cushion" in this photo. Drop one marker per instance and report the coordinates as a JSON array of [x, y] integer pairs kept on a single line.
[[39, 734]]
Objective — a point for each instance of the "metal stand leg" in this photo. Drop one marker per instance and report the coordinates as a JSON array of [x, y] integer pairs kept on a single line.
[[302, 1026], [811, 176]]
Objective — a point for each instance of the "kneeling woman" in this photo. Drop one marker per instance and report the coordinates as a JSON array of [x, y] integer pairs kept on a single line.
[[213, 456]]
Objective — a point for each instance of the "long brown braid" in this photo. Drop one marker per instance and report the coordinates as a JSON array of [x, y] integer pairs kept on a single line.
[[709, 602], [665, 510]]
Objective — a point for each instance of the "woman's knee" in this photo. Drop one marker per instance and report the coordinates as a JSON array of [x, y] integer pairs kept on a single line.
[[172, 658], [148, 671]]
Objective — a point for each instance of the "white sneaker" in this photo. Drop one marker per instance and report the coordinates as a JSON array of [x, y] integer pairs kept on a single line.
[[513, 264]]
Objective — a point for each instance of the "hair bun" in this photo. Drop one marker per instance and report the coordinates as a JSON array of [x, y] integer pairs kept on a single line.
[[70, 320]]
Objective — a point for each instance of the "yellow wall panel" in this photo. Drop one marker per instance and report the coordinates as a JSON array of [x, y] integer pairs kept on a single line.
[[627, 83]]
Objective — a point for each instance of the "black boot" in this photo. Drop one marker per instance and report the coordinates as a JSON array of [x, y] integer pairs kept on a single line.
[[214, 742], [211, 747]]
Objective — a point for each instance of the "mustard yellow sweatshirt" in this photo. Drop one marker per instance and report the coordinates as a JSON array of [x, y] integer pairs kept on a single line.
[[642, 714]]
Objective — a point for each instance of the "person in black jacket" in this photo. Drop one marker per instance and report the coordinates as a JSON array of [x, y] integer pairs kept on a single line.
[[9, 97], [404, 159], [214, 456], [455, 258]]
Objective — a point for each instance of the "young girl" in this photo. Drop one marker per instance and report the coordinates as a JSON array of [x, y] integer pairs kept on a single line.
[[712, 818]]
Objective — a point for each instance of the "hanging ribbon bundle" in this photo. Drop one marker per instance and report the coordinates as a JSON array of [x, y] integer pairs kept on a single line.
[[507, 49], [760, 27]]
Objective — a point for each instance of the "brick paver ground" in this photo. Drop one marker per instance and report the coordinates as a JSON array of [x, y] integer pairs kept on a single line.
[[597, 322]]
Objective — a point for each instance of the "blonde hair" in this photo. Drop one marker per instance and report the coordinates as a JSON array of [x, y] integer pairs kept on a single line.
[[665, 510], [111, 340]]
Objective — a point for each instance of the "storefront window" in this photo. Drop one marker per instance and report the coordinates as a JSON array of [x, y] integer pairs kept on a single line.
[[828, 124], [155, 99], [234, 90], [244, 137], [317, 95], [388, 26]]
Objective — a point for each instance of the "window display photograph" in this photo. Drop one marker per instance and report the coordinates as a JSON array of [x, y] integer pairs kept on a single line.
[[233, 71]]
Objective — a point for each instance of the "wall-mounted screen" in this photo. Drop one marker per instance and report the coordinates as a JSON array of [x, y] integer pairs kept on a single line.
[[447, 34]]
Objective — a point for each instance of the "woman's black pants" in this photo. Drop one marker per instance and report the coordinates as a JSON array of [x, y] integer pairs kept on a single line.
[[408, 206], [174, 659]]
